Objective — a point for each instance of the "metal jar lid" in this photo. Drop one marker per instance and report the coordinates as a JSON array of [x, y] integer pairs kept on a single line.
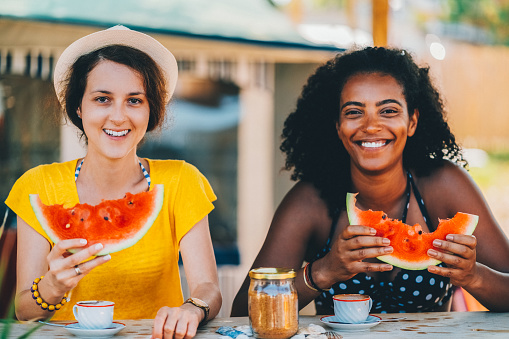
[[272, 273]]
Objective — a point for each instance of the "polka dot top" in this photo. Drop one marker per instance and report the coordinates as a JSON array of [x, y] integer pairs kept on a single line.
[[408, 291]]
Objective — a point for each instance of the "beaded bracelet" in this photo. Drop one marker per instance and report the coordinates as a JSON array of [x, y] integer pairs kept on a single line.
[[309, 276], [44, 305]]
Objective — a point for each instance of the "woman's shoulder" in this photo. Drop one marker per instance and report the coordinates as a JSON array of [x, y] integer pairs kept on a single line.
[[449, 189], [170, 165], [447, 174], [49, 170], [171, 168], [175, 172], [305, 202]]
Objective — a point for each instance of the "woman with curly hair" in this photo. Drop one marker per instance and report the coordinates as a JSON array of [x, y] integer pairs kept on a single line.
[[371, 121]]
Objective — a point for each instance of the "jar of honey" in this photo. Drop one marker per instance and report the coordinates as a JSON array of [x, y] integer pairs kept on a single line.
[[273, 303]]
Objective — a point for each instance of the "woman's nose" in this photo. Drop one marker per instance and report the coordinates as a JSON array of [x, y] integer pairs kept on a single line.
[[372, 123], [118, 114]]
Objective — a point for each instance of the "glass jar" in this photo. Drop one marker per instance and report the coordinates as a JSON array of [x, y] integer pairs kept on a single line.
[[273, 303]]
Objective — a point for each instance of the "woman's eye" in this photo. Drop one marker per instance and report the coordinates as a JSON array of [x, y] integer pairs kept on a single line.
[[101, 100], [389, 111], [134, 101], [352, 113]]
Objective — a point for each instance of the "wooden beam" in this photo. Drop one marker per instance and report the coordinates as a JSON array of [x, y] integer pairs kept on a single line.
[[380, 21]]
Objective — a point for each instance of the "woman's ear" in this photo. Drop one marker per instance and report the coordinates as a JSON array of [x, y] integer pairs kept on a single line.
[[412, 126], [78, 112]]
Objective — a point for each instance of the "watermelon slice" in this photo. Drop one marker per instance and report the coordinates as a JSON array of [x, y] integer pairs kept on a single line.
[[117, 224], [410, 243]]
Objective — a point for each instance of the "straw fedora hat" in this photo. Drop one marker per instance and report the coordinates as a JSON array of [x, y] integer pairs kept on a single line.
[[117, 35]]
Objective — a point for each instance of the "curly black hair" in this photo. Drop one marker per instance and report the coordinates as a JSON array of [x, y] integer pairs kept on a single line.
[[310, 140]]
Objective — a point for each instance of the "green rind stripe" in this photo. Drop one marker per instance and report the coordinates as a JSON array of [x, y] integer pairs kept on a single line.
[[350, 209], [36, 203], [421, 265]]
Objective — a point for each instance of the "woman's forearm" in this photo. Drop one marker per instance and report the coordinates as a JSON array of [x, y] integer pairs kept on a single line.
[[209, 293], [491, 289], [27, 309]]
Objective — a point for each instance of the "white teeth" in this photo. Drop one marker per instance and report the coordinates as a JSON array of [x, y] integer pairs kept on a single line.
[[373, 144], [116, 134]]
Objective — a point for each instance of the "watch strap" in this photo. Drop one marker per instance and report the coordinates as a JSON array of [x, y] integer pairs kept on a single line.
[[204, 306]]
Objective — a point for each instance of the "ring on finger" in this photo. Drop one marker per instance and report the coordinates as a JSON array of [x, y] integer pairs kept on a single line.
[[77, 270]]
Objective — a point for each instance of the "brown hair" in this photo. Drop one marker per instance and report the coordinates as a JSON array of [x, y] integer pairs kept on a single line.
[[153, 81]]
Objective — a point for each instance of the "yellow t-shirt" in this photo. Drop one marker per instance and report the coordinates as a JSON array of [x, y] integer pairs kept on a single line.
[[144, 277]]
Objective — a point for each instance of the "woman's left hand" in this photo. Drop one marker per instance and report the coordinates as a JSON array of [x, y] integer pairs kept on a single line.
[[177, 322], [458, 252]]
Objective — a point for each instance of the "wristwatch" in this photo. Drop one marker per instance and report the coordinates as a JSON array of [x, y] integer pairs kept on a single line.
[[201, 304]]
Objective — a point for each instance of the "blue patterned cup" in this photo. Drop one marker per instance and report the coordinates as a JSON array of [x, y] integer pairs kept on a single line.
[[94, 314], [352, 308]]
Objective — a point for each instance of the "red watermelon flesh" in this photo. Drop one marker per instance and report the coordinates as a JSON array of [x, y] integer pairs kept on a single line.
[[410, 243], [117, 224]]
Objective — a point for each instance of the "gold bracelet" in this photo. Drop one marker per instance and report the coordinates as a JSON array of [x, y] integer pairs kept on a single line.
[[305, 276], [44, 305]]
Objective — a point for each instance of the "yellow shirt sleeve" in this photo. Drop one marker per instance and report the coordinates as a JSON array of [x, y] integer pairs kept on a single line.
[[193, 199], [53, 183]]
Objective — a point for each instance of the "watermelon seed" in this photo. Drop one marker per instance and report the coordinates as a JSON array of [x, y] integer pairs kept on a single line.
[[72, 212], [106, 218], [130, 202], [67, 225], [384, 216], [420, 232], [82, 219]]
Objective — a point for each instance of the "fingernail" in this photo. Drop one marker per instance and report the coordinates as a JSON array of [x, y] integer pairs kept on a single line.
[[98, 246], [106, 257], [83, 241], [372, 231], [387, 267], [386, 241], [449, 237], [432, 253], [388, 249], [437, 243]]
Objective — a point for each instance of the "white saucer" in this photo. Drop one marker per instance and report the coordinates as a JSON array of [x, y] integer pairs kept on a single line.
[[75, 329], [331, 321]]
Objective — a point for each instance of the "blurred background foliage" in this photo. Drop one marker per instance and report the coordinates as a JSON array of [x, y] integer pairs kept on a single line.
[[489, 15]]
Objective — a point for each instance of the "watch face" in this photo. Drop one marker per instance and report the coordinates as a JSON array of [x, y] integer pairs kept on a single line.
[[200, 302]]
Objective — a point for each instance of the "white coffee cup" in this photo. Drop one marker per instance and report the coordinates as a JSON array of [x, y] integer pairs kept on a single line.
[[352, 308], [94, 314]]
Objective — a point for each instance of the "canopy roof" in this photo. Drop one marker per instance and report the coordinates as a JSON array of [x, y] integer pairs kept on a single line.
[[245, 21]]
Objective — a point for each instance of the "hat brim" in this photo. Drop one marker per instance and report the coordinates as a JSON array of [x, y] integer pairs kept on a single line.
[[118, 35]]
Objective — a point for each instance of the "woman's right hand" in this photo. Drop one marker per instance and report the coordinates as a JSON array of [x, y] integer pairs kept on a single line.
[[348, 251], [67, 269]]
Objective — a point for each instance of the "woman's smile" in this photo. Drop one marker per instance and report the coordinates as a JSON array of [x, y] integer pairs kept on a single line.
[[116, 134], [376, 144]]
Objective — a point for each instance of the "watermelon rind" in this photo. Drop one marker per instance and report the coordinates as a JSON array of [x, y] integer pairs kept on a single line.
[[350, 208], [36, 203], [353, 218], [421, 265]]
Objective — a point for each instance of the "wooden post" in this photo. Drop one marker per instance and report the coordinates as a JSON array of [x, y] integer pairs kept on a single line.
[[294, 9], [380, 21]]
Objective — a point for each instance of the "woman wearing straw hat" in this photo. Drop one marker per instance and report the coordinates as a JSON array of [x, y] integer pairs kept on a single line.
[[114, 86]]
